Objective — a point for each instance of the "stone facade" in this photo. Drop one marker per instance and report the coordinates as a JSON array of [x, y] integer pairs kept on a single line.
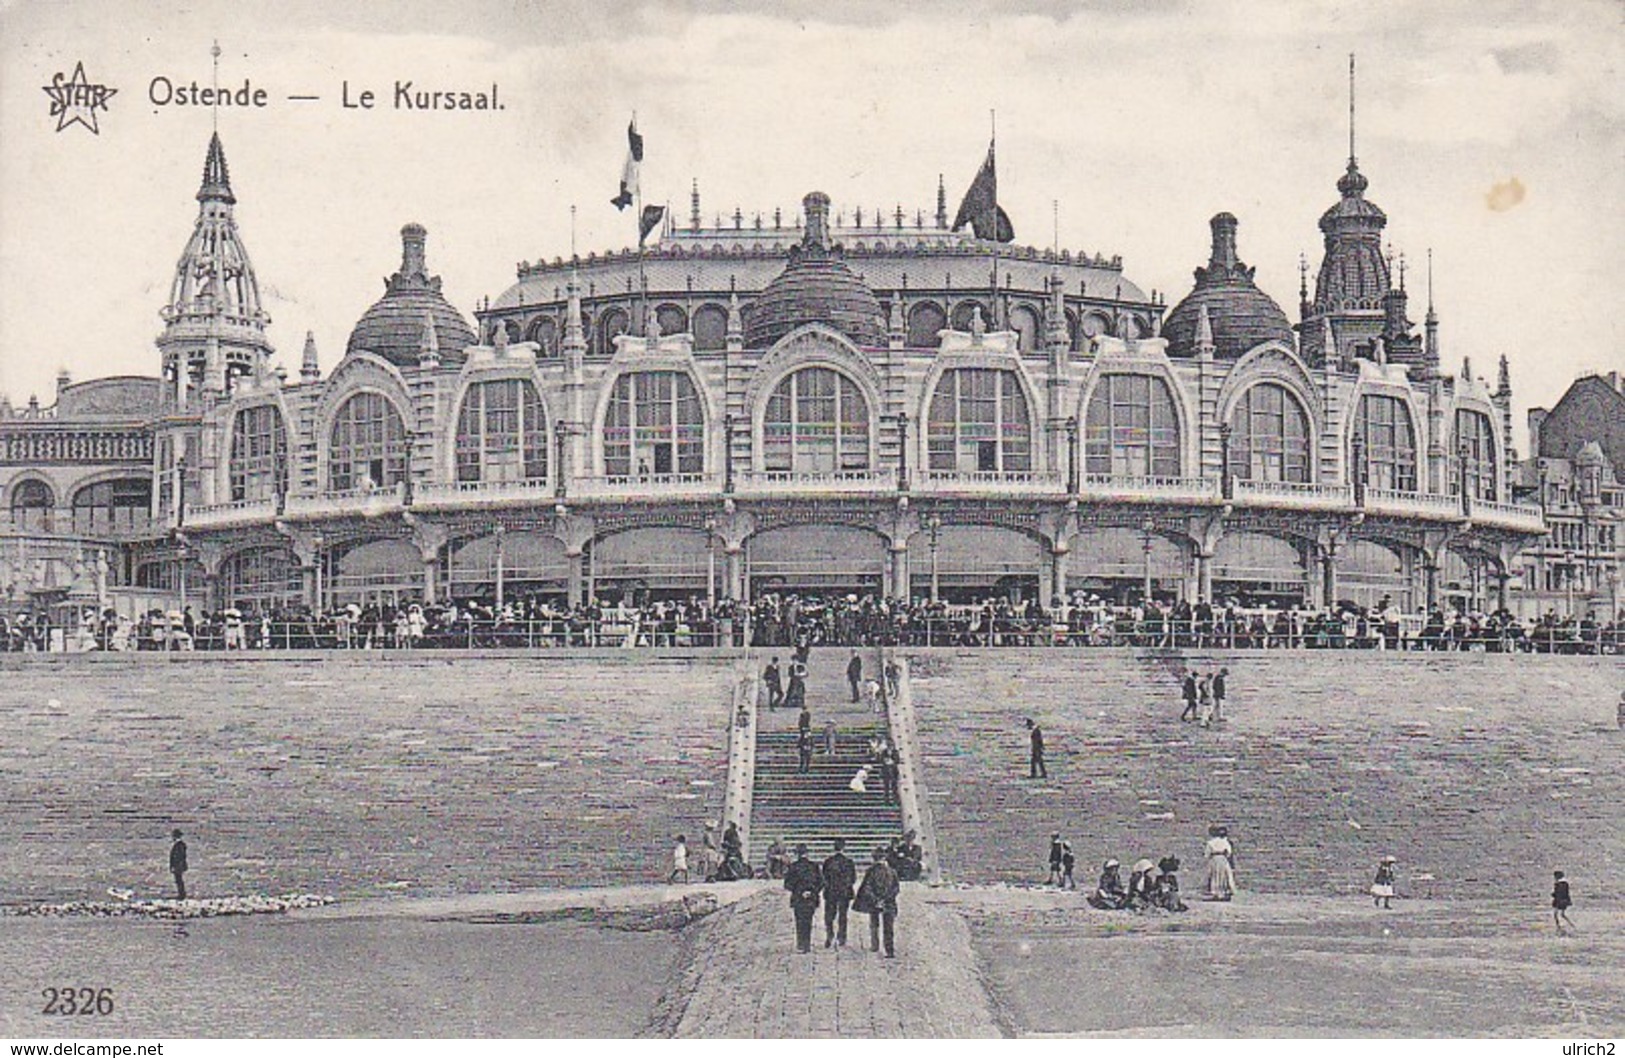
[[820, 405]]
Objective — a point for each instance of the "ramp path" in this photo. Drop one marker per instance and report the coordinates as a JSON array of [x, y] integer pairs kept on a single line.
[[752, 984]]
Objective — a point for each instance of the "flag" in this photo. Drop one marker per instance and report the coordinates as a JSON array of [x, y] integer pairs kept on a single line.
[[652, 216], [980, 206], [629, 171]]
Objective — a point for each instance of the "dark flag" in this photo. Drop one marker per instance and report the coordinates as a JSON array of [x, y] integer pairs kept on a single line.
[[629, 171], [980, 206], [652, 216]]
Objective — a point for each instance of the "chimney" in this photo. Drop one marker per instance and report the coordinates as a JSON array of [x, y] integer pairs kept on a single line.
[[816, 206]]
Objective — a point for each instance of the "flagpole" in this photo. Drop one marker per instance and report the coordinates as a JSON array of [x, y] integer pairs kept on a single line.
[[993, 253]]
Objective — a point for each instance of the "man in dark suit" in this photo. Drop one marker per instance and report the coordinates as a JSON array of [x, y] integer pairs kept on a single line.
[[840, 880], [854, 674], [1188, 689], [177, 865], [878, 896], [1035, 766], [804, 752], [804, 882], [775, 684]]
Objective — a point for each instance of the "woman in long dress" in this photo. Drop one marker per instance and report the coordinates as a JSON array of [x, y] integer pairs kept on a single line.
[[1221, 864]]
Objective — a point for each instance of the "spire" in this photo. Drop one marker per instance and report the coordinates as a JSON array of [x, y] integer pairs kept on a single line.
[[1430, 325], [942, 203], [574, 334], [1204, 334], [1351, 110], [429, 341], [694, 206], [1353, 183], [736, 319], [216, 185], [413, 257], [1223, 257], [1303, 285], [1328, 343], [1503, 383], [816, 205], [310, 368]]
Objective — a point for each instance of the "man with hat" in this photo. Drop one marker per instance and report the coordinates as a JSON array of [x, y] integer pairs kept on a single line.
[[840, 880], [804, 881], [177, 864], [1056, 853]]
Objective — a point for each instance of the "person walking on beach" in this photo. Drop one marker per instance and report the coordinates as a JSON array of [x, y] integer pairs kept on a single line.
[[854, 675], [840, 881], [1382, 889], [1561, 902], [1057, 853], [1188, 689], [804, 882], [774, 683], [679, 860], [1035, 762], [1068, 863], [1219, 693], [878, 897], [1204, 694], [178, 866], [804, 751], [829, 738]]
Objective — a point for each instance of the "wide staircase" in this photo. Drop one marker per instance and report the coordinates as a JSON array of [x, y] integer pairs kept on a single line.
[[818, 807]]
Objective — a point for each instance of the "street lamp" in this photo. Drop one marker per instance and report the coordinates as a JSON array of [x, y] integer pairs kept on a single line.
[[933, 526], [711, 561], [316, 573], [1148, 532], [1571, 569], [728, 424], [500, 532]]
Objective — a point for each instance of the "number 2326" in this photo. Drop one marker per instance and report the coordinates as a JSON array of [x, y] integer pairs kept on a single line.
[[85, 1002]]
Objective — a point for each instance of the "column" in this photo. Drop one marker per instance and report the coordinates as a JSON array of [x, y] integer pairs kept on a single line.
[[1058, 567], [899, 571], [1407, 570], [307, 571], [1308, 554], [1329, 559], [1502, 575], [431, 575], [1204, 576], [1430, 569], [578, 575], [735, 571]]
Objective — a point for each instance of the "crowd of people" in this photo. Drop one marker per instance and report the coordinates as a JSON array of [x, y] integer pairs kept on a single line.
[[790, 619], [1151, 885]]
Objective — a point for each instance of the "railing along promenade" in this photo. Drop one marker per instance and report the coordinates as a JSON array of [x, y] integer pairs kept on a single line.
[[878, 482]]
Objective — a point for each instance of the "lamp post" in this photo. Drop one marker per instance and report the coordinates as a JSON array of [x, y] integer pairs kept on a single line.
[[316, 542], [1461, 479], [561, 434], [1571, 569], [1148, 532], [711, 561], [1226, 489], [500, 531], [933, 526], [180, 565], [1358, 470]]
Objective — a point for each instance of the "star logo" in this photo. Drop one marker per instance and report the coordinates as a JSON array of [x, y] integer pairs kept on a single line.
[[75, 100]]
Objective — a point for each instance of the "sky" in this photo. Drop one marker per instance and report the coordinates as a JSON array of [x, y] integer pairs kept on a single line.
[[1492, 133]]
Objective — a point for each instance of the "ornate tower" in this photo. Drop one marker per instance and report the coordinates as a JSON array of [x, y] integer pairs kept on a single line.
[[214, 326], [1351, 289]]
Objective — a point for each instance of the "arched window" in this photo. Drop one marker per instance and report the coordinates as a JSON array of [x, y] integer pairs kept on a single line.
[[1029, 331], [925, 320], [259, 454], [965, 312], [1475, 451], [1384, 431], [816, 422], [261, 579], [1132, 428], [710, 328], [1269, 439], [611, 324], [654, 425], [502, 433], [367, 447], [545, 333], [672, 319], [31, 503], [119, 506], [979, 422]]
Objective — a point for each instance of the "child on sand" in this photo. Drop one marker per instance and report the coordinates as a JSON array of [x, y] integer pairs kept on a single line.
[[679, 860], [1382, 890]]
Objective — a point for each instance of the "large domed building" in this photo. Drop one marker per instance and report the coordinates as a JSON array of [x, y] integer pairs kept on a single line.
[[844, 399]]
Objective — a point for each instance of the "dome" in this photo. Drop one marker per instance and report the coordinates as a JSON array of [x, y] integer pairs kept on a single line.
[[393, 327], [815, 287], [1239, 314]]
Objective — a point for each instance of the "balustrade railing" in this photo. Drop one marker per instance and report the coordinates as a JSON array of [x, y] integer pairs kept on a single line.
[[463, 493], [1294, 493], [1511, 515], [650, 485], [1126, 486], [991, 481], [230, 513], [873, 479], [350, 501], [1393, 501]]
